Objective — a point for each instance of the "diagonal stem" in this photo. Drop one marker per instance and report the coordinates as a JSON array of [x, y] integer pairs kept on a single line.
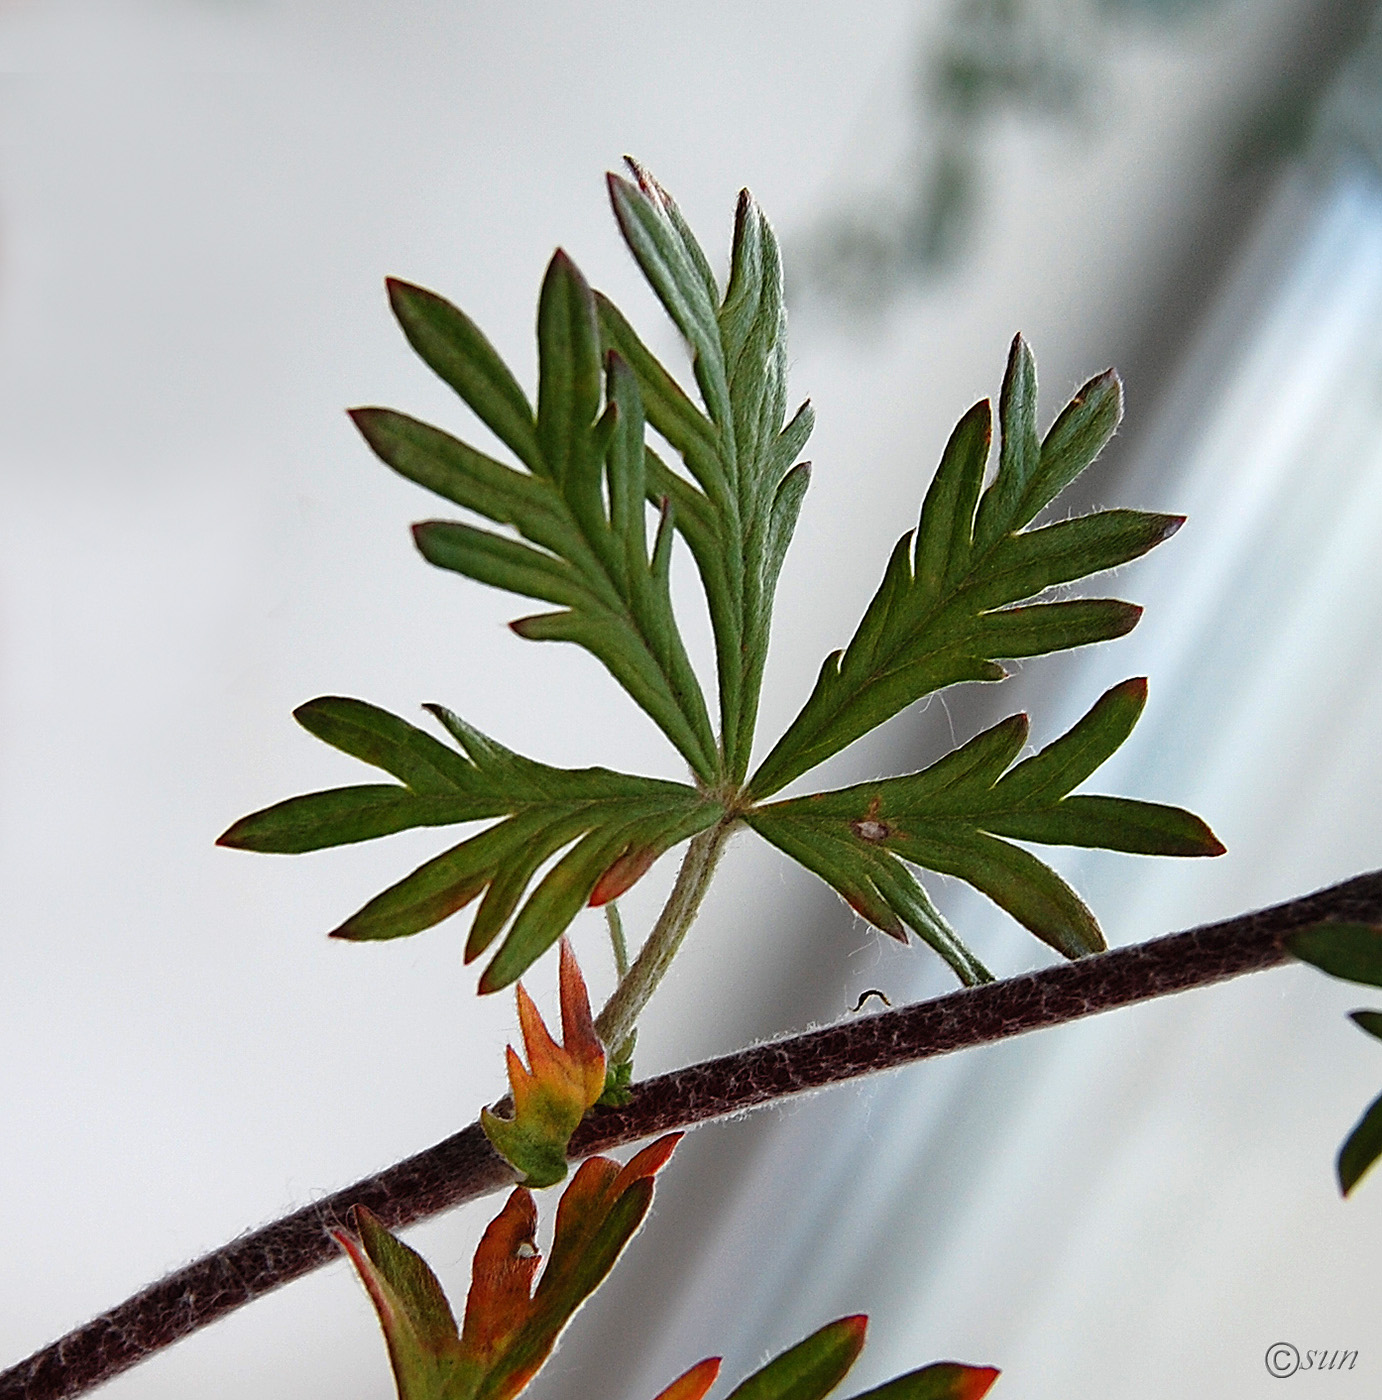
[[464, 1166]]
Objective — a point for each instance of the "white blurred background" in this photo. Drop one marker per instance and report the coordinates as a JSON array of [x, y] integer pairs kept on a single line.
[[198, 202]]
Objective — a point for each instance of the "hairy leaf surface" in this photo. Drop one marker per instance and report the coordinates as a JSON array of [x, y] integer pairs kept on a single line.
[[945, 611], [579, 507], [739, 450], [614, 824], [952, 816]]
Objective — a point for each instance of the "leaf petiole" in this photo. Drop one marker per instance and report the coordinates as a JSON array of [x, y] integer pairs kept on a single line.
[[616, 1022]]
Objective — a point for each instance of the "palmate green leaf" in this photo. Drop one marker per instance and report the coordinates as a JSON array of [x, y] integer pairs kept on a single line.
[[579, 507], [945, 610], [952, 816], [738, 512], [615, 825]]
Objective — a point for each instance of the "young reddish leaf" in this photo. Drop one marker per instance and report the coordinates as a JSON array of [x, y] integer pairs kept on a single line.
[[693, 1384], [419, 1329], [599, 1213], [501, 1279], [586, 1206], [509, 1328], [560, 1082]]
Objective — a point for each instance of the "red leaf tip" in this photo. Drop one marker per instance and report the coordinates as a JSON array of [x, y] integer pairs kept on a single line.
[[644, 178], [624, 873], [694, 1383], [649, 1161], [976, 1382]]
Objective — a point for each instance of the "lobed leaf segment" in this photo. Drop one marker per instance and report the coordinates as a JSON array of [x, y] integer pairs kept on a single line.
[[815, 1366], [739, 515], [1352, 952], [618, 823], [510, 1327], [951, 817], [945, 610], [579, 506]]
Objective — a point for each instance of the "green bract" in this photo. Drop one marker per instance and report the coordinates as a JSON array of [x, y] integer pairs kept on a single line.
[[963, 591]]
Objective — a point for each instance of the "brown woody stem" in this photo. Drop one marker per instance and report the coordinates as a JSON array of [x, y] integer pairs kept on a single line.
[[465, 1166]]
